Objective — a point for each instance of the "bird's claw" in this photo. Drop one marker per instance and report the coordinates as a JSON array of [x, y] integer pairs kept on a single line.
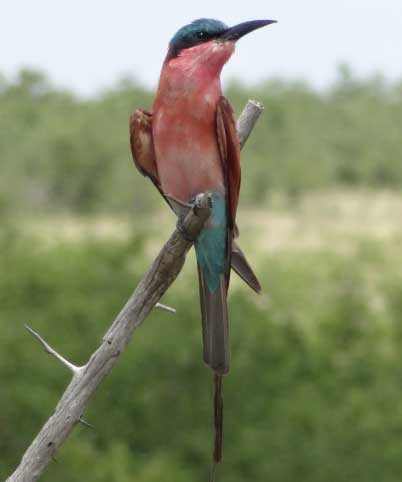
[[197, 201]]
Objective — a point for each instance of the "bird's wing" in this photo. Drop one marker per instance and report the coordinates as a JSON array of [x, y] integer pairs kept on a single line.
[[229, 149], [142, 145], [143, 152]]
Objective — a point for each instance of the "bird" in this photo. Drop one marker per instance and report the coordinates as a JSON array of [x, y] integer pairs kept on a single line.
[[188, 145]]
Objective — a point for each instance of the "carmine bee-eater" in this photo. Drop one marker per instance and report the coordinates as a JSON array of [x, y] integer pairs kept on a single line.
[[188, 146]]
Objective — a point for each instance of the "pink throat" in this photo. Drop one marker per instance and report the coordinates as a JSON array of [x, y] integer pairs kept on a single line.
[[202, 62]]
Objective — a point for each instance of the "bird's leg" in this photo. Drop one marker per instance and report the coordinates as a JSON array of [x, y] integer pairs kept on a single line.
[[181, 209]]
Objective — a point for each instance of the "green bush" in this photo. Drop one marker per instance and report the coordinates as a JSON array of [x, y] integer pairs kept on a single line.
[[313, 395]]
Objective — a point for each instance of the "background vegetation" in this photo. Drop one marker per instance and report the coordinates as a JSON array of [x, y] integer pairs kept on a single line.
[[63, 153], [315, 388]]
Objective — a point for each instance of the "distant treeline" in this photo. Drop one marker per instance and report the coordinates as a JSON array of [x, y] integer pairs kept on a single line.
[[60, 152]]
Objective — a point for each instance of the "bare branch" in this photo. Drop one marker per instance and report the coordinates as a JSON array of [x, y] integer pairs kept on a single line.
[[51, 351], [162, 307], [163, 272], [248, 119]]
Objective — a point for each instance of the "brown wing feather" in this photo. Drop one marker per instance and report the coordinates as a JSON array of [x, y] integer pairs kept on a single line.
[[142, 145], [229, 148]]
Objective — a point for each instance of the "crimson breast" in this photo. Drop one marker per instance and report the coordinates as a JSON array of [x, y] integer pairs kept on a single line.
[[184, 122], [186, 147]]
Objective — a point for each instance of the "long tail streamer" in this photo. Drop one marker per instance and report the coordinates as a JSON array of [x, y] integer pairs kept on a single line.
[[218, 418], [218, 423]]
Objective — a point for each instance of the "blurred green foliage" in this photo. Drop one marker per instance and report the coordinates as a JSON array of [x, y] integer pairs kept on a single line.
[[314, 392], [60, 152]]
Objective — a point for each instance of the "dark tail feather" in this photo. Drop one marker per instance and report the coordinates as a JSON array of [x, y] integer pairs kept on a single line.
[[218, 418], [215, 329], [243, 269], [215, 335]]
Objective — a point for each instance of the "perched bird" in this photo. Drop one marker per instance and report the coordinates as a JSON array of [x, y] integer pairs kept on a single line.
[[188, 145]]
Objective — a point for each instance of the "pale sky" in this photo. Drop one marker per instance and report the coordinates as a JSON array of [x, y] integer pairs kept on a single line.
[[87, 45]]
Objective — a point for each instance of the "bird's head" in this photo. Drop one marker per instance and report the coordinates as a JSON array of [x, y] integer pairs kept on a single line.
[[209, 41]]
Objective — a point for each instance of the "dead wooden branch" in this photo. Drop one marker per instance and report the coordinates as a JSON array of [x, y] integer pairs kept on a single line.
[[247, 120]]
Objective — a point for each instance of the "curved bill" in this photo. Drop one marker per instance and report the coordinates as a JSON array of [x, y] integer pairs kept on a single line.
[[238, 31]]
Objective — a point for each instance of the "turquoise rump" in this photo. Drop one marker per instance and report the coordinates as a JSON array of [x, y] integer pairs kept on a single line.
[[211, 243]]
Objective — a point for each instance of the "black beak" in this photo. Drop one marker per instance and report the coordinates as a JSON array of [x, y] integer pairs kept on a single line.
[[238, 31]]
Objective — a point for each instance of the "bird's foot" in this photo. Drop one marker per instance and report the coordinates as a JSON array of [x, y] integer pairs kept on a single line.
[[198, 201]]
